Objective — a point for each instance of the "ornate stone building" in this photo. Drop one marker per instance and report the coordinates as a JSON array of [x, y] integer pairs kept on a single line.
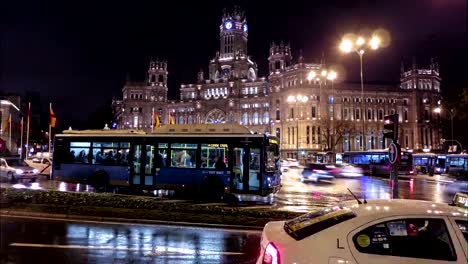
[[309, 115]]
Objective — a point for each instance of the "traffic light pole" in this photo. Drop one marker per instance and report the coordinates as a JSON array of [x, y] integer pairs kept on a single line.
[[394, 174], [394, 150]]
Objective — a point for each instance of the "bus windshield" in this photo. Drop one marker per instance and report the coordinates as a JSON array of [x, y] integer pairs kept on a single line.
[[272, 156]]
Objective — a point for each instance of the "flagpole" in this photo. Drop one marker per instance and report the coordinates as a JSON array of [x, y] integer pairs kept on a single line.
[[152, 119], [21, 140], [50, 128], [27, 129], [9, 134]]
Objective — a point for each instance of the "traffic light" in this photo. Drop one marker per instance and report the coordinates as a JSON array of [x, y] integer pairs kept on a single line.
[[391, 127]]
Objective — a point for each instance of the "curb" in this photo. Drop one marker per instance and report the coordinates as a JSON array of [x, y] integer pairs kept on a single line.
[[115, 220]]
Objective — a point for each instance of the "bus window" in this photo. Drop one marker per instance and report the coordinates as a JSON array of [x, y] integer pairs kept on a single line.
[[254, 169], [137, 164], [238, 168], [149, 165], [162, 155], [272, 154], [183, 155], [122, 154], [214, 156], [79, 152]]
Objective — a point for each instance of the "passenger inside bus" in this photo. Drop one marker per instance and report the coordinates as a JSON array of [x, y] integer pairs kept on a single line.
[[220, 165]]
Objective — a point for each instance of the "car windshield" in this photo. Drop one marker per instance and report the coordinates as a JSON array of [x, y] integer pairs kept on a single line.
[[316, 221], [16, 163]]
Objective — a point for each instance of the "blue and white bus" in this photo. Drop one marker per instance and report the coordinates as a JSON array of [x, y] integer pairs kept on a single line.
[[376, 162], [457, 165], [429, 163], [211, 159]]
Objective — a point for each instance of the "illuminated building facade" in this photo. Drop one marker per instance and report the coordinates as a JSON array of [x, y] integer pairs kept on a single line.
[[309, 115]]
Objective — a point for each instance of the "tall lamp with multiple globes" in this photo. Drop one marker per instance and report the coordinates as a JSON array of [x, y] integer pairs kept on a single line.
[[297, 99], [325, 75], [360, 45]]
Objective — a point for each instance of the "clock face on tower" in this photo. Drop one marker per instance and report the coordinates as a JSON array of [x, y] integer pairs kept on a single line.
[[228, 25], [245, 28]]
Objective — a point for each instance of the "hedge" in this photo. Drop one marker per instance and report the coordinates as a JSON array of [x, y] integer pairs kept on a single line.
[[73, 202]]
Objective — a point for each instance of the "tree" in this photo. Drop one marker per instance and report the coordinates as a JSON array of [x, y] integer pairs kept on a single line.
[[461, 106], [333, 132]]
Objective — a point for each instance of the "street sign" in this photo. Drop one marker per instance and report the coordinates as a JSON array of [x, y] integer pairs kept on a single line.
[[2, 145], [393, 152]]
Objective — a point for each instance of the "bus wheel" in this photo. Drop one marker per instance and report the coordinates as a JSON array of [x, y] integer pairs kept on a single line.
[[231, 199], [212, 189], [11, 178], [100, 181]]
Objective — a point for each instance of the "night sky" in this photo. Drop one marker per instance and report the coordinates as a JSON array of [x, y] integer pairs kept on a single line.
[[77, 54]]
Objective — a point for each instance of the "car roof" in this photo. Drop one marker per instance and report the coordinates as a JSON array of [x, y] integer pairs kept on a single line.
[[394, 207]]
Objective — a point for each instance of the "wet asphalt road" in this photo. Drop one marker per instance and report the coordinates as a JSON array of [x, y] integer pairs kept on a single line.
[[53, 241], [298, 196]]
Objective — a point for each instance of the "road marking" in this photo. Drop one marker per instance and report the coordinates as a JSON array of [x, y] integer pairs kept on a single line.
[[183, 225], [157, 251]]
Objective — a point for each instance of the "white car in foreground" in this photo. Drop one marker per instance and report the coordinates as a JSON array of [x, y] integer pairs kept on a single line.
[[376, 232]]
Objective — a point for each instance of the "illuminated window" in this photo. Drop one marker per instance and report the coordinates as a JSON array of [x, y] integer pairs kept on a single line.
[[266, 117], [214, 156], [135, 121], [183, 155], [255, 118]]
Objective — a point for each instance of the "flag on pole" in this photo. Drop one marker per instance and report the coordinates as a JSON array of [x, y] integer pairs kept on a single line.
[[27, 128], [171, 119], [53, 118], [7, 124], [157, 123]]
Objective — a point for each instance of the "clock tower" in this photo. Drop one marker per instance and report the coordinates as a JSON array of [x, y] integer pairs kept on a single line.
[[233, 35]]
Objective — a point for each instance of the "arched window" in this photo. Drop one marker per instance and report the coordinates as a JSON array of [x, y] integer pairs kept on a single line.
[[161, 78], [153, 78], [308, 134], [369, 114], [181, 119], [313, 135], [190, 120], [380, 114], [255, 118], [245, 119], [277, 65], [266, 117]]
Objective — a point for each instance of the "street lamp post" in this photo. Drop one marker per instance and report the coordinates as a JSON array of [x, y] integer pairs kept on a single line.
[[359, 47], [324, 75], [438, 110], [297, 99]]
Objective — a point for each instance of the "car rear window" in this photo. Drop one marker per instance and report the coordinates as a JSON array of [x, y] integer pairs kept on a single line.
[[314, 222]]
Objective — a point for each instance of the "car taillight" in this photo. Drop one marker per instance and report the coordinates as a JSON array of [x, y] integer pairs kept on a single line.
[[272, 255], [411, 172]]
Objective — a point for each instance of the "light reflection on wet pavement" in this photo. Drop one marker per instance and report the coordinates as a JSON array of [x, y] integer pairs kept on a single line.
[[30, 240], [298, 196]]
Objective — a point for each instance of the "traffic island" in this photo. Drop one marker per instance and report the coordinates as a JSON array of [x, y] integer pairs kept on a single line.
[[113, 206]]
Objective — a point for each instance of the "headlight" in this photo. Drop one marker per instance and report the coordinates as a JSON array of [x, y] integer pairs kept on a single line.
[[19, 171], [35, 171]]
